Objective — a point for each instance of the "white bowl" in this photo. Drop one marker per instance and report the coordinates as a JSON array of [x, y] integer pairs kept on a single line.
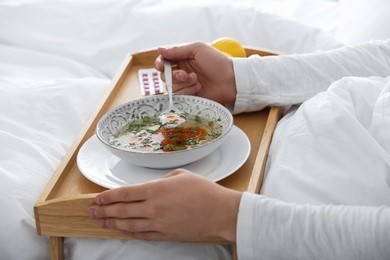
[[115, 120]]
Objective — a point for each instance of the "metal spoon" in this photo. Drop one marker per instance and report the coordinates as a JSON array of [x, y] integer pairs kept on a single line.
[[170, 117]]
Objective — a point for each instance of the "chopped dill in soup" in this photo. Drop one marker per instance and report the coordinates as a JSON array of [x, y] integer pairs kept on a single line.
[[147, 135]]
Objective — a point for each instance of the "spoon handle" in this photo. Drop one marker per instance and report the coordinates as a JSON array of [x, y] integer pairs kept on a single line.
[[168, 79]]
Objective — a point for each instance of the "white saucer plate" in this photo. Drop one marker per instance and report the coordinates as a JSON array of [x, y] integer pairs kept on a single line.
[[100, 166]]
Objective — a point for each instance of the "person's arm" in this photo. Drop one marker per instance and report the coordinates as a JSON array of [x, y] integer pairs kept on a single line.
[[292, 79], [272, 229]]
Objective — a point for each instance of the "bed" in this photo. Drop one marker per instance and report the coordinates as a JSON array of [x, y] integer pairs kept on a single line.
[[58, 57]]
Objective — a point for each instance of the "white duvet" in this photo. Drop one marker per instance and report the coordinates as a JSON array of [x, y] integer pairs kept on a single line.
[[335, 148], [56, 60], [330, 159]]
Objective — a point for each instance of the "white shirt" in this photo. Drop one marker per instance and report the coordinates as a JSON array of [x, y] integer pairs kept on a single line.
[[327, 189]]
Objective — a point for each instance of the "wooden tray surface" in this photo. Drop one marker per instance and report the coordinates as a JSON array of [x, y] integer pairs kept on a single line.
[[61, 210]]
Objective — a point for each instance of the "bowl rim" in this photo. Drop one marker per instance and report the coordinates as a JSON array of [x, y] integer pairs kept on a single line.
[[165, 97]]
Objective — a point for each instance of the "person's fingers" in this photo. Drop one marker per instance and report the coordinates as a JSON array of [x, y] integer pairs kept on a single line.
[[159, 64], [183, 83], [180, 52], [120, 210], [131, 225], [189, 90], [177, 52], [178, 76], [123, 194], [189, 80]]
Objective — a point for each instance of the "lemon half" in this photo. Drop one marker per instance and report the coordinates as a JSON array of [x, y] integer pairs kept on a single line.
[[229, 46]]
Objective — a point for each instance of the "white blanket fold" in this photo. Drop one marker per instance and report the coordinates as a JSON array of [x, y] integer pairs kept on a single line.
[[342, 130]]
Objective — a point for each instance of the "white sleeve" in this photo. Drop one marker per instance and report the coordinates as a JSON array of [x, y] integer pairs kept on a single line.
[[292, 79], [272, 229]]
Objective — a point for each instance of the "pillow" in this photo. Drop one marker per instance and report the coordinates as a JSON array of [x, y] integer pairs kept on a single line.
[[363, 20]]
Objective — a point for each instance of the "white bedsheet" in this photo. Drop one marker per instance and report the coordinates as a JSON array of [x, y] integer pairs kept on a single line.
[[56, 59]]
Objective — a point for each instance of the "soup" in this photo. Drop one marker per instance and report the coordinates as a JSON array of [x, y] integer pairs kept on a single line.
[[147, 135]]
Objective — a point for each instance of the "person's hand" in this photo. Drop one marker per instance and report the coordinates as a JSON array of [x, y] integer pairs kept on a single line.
[[182, 206], [200, 70]]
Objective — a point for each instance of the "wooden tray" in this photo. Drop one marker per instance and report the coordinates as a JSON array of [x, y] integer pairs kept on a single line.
[[61, 209]]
